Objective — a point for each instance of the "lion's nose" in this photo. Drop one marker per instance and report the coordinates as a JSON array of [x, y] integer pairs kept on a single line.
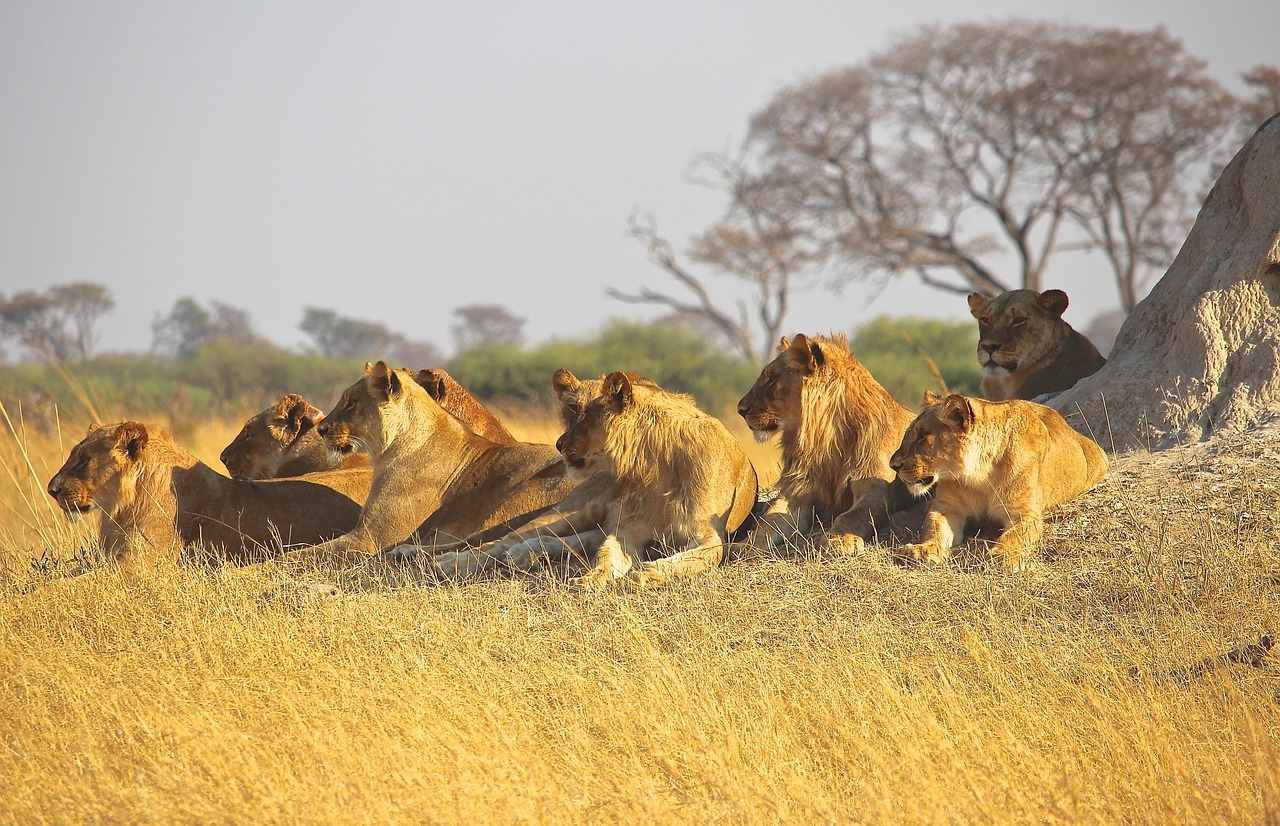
[[989, 346], [323, 428], [895, 462], [742, 410], [54, 489], [560, 444]]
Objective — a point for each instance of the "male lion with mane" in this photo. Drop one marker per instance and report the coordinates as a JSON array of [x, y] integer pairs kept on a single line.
[[154, 495], [282, 440], [683, 481], [994, 465], [839, 427], [434, 479], [1026, 349]]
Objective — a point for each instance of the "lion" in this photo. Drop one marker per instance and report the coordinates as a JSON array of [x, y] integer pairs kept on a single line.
[[839, 427], [282, 441], [571, 526], [682, 480], [1025, 348], [157, 498], [434, 479], [995, 465]]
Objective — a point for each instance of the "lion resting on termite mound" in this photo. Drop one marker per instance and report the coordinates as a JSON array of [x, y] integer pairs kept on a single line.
[[282, 441], [434, 480], [683, 481], [839, 427], [157, 498], [993, 465], [1025, 347]]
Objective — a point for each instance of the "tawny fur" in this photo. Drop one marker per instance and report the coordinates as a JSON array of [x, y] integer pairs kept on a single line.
[[434, 480], [682, 480], [156, 498], [839, 427], [996, 465], [1026, 349]]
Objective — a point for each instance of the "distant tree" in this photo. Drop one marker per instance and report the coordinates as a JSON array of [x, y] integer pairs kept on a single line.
[[59, 321], [486, 324], [903, 354], [189, 327], [337, 336], [341, 337], [962, 145], [1264, 84]]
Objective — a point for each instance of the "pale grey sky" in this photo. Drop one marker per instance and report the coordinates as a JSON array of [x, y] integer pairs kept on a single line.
[[394, 160]]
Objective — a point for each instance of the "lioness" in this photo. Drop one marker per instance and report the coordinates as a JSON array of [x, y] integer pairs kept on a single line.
[[993, 464], [433, 478], [282, 441], [154, 495], [839, 427], [682, 480], [1025, 348]]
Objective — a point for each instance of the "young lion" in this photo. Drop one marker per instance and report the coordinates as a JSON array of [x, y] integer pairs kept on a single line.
[[570, 526], [433, 478], [682, 480], [282, 441], [1025, 348], [999, 464], [154, 495], [839, 427]]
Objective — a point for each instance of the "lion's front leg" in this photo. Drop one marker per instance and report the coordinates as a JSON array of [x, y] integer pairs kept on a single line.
[[544, 549], [339, 552], [702, 553], [1018, 540], [612, 562], [941, 530], [851, 529]]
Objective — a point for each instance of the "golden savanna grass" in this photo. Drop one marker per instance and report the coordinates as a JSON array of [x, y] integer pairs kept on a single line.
[[1091, 688]]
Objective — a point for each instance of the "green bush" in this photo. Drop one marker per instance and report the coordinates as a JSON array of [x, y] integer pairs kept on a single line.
[[895, 350]]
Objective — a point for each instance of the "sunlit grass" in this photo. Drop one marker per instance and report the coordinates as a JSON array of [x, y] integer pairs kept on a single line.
[[803, 690]]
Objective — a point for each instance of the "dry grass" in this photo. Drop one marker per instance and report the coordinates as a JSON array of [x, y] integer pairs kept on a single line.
[[806, 690]]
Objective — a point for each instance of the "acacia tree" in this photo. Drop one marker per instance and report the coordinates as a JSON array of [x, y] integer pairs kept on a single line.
[[960, 149], [188, 327], [480, 324], [60, 321]]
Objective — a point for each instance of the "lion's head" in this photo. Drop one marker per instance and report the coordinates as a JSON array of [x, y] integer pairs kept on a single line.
[[775, 401], [259, 447], [101, 469], [583, 442], [934, 444], [1019, 328], [574, 395], [355, 422]]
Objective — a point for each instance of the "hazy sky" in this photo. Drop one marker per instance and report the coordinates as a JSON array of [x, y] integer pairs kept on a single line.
[[392, 161]]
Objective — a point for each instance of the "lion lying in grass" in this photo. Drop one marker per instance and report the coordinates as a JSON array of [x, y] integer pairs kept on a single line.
[[155, 499], [992, 464], [282, 441], [682, 481], [434, 480], [839, 427], [1025, 348]]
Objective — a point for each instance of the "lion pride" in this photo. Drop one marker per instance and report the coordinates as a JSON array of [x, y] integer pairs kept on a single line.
[[682, 480], [156, 498], [1025, 348], [839, 427], [434, 479], [992, 464]]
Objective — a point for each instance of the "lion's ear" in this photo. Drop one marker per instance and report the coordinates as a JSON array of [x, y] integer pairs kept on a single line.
[[958, 410], [1054, 302], [783, 345], [433, 382], [806, 353], [300, 412], [562, 381], [368, 367], [380, 380], [617, 389], [930, 399], [131, 438], [977, 304], [93, 426]]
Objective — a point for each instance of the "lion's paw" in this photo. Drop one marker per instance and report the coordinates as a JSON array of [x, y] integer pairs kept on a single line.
[[458, 564], [842, 544], [919, 553]]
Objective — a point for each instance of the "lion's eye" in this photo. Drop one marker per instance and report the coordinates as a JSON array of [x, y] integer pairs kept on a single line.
[[1018, 322]]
